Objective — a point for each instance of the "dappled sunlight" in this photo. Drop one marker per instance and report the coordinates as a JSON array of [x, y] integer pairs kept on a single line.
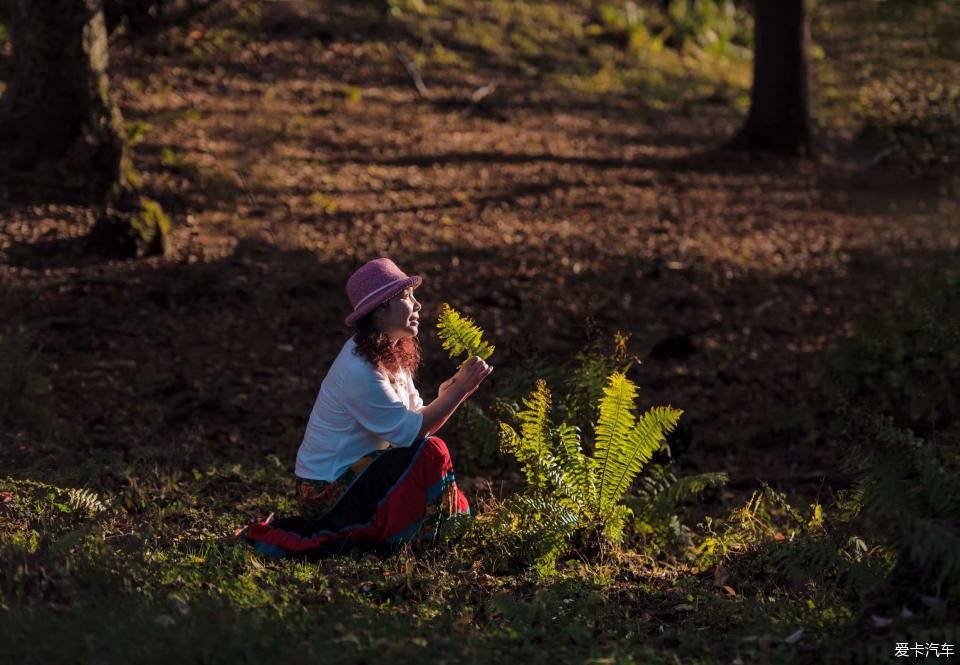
[[559, 173]]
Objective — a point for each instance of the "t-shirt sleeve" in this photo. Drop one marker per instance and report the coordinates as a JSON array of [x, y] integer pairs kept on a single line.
[[416, 402], [369, 397]]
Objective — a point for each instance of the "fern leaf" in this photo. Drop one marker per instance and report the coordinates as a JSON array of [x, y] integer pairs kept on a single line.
[[656, 483], [585, 382], [537, 466], [690, 486], [546, 511], [533, 448], [535, 432], [460, 336], [626, 457], [85, 501], [662, 492], [510, 441], [614, 425], [534, 528], [577, 468], [615, 524]]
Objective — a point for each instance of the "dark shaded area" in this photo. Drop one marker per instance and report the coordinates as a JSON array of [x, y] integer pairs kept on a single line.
[[221, 360], [56, 252]]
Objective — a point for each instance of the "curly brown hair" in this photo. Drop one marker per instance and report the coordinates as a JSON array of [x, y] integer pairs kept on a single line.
[[377, 349]]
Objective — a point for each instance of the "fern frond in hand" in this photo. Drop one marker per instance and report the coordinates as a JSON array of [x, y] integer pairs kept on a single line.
[[460, 336]]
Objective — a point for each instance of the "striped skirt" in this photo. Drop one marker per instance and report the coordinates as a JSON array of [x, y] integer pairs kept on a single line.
[[385, 498]]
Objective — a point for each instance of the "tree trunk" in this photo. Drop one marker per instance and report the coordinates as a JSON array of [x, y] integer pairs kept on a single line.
[[56, 117], [779, 117]]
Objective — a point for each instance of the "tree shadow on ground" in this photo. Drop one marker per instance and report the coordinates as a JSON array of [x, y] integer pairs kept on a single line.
[[53, 254], [226, 356]]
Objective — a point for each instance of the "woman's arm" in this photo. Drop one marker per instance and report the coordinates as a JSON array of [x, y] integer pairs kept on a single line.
[[452, 394]]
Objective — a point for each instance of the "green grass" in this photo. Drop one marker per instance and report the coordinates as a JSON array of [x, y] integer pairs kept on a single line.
[[151, 570], [588, 51], [127, 561]]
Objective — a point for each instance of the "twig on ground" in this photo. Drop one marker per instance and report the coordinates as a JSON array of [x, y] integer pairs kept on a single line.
[[413, 71], [485, 91], [478, 96]]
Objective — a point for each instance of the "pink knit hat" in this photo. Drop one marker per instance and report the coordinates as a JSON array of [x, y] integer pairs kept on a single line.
[[373, 284]]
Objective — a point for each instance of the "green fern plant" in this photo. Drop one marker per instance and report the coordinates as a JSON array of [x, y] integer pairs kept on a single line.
[[585, 381], [590, 488], [656, 508], [85, 501], [460, 336], [891, 538], [908, 494]]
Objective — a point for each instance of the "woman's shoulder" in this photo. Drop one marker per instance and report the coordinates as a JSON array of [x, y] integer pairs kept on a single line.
[[350, 364]]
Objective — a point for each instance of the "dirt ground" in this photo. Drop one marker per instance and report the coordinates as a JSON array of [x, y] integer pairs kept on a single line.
[[286, 158]]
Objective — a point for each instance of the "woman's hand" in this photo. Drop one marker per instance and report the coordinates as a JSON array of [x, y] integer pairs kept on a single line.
[[452, 393], [446, 385], [467, 379]]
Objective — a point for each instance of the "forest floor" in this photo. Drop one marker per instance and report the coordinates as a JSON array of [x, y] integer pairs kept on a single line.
[[586, 192]]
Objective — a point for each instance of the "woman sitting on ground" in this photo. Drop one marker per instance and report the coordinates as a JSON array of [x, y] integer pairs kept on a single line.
[[369, 469]]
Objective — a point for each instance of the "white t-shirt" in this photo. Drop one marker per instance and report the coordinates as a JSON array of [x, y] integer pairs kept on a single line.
[[359, 410]]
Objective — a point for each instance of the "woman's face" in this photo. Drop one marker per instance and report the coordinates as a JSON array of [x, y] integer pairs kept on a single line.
[[399, 317]]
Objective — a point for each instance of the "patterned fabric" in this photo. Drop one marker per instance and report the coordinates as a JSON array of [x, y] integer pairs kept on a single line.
[[393, 496], [316, 497]]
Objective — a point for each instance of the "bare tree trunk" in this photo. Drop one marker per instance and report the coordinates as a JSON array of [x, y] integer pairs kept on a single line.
[[779, 117], [56, 117]]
